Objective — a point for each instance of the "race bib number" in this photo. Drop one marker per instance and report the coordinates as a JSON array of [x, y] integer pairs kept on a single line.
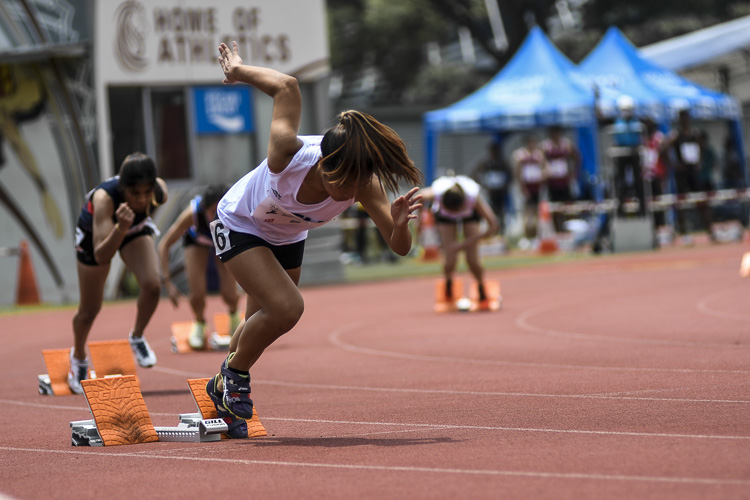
[[220, 235], [649, 157], [532, 173], [558, 168], [270, 212], [495, 179], [690, 152]]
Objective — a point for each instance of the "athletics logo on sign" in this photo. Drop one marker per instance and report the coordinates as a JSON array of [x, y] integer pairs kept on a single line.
[[223, 110], [132, 32]]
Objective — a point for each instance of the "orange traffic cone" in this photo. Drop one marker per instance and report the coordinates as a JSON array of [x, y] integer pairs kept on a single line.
[[429, 237], [545, 230], [27, 292]]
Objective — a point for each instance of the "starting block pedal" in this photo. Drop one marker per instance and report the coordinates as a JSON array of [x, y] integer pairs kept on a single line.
[[120, 414], [492, 291], [219, 342], [55, 381], [121, 417], [745, 265], [180, 335], [109, 358], [442, 302], [222, 324], [112, 357], [208, 409]]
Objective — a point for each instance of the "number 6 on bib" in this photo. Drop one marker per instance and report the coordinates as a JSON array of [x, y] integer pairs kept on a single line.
[[220, 235]]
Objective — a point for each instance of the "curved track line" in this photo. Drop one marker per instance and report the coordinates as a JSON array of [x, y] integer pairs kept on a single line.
[[335, 339], [430, 470], [702, 306], [523, 323]]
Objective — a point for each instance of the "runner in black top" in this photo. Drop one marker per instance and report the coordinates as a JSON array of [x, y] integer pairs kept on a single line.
[[116, 217], [192, 226]]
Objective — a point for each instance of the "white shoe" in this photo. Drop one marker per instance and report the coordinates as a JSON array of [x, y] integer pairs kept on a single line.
[[142, 351], [197, 339], [79, 370]]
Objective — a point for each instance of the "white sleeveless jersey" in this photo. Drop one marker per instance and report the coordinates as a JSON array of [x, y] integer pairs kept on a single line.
[[265, 204], [471, 190]]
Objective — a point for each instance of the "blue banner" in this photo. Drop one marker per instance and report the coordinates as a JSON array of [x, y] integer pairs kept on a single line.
[[223, 110]]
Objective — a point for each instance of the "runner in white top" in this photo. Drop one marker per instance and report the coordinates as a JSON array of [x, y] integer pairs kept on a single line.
[[444, 184], [457, 199], [303, 183]]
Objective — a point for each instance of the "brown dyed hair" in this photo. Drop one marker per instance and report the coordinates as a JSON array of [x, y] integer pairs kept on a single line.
[[453, 199], [359, 147]]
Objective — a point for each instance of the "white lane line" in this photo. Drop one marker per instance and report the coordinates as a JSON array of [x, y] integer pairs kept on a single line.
[[457, 392], [522, 321], [514, 429], [335, 339], [412, 469], [503, 394], [480, 427]]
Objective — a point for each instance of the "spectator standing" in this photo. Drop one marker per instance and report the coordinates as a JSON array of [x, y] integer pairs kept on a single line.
[[495, 176], [626, 138], [684, 145], [709, 162], [654, 167], [563, 162], [530, 167]]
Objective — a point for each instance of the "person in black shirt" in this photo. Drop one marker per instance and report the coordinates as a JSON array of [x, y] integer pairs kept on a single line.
[[686, 152], [116, 218]]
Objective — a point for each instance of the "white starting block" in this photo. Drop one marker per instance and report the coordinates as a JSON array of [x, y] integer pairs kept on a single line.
[[191, 429], [219, 342]]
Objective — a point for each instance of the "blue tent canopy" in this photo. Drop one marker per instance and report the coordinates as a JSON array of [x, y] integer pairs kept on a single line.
[[616, 67], [533, 90]]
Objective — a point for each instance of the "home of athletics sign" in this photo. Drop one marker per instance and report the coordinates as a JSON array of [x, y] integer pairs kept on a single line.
[[176, 41]]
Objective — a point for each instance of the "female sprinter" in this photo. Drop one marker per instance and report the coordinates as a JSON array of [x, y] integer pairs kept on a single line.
[[116, 217], [304, 182], [457, 200], [192, 226]]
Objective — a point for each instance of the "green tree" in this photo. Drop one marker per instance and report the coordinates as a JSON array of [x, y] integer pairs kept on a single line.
[[389, 37]]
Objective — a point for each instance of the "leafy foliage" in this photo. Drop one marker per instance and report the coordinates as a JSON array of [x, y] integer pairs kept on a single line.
[[388, 38]]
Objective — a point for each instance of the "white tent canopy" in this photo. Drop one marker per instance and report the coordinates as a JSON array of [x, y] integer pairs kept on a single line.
[[699, 46]]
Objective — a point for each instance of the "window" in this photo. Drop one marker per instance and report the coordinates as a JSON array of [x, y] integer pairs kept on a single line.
[[170, 133]]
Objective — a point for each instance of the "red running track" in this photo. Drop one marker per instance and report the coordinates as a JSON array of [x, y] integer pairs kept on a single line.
[[623, 376]]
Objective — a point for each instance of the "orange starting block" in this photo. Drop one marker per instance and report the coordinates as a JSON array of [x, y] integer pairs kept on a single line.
[[120, 413], [55, 381], [107, 358], [459, 301], [442, 302], [112, 357], [208, 410], [217, 341], [121, 417], [492, 291]]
